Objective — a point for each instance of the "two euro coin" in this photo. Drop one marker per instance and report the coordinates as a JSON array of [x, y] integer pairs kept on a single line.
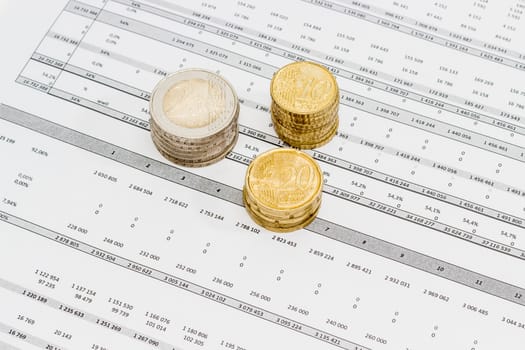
[[282, 190], [194, 117]]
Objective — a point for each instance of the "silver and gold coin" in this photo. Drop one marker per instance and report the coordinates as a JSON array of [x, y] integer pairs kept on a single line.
[[305, 104], [194, 117], [282, 190]]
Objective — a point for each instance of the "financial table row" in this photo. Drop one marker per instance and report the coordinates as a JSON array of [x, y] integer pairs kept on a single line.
[[100, 207], [433, 178], [494, 27]]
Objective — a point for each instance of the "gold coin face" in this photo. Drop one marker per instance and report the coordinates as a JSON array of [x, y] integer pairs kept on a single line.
[[304, 87], [284, 179]]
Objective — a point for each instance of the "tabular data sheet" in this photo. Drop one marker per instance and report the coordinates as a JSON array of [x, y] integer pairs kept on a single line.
[[420, 240]]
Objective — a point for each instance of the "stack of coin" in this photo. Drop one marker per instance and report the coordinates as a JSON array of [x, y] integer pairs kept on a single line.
[[282, 190], [194, 117], [305, 103]]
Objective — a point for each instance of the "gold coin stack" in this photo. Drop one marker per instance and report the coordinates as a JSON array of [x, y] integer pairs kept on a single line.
[[305, 103], [194, 117], [282, 190]]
